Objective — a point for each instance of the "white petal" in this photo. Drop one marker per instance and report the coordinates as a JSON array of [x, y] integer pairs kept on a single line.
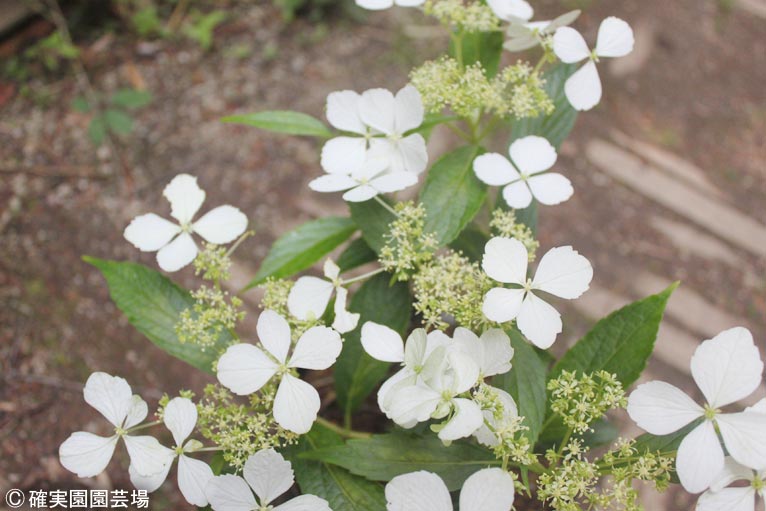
[[417, 347], [489, 489], [382, 343], [110, 395], [394, 182], [180, 417], [744, 435], [193, 476], [496, 352], [178, 253], [550, 188], [137, 412], [221, 225], [343, 111], [309, 297], [569, 45], [700, 458], [509, 10], [615, 38], [304, 503], [409, 110], [494, 169], [86, 454], [149, 483], [185, 197], [409, 3], [563, 272], [230, 493], [532, 154], [332, 183], [661, 408], [417, 491], [728, 499], [517, 195], [732, 471], [466, 420], [583, 89], [342, 155], [268, 474], [150, 232], [505, 260], [375, 5], [274, 333], [330, 269], [405, 377], [317, 349], [147, 455], [344, 321], [296, 405], [484, 435], [759, 407], [539, 321], [360, 194], [728, 367], [502, 305], [244, 369], [377, 109], [410, 155], [466, 371], [413, 404]]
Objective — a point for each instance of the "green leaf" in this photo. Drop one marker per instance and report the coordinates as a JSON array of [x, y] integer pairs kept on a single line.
[[604, 432], [373, 219], [283, 121], [667, 444], [131, 98], [118, 121], [356, 254], [301, 248], [483, 47], [452, 194], [471, 243], [97, 129], [383, 457], [342, 490], [152, 304], [621, 343], [430, 122], [554, 127], [80, 104], [357, 373], [526, 382]]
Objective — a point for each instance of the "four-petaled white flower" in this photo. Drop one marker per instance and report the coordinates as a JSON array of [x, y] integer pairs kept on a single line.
[[524, 176], [174, 243], [309, 297], [562, 272], [525, 35], [489, 489], [87, 455], [180, 417], [615, 39], [721, 497], [267, 474], [244, 368], [379, 5], [511, 10], [726, 368]]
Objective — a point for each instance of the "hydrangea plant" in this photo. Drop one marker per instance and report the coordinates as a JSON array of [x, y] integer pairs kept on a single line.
[[434, 311]]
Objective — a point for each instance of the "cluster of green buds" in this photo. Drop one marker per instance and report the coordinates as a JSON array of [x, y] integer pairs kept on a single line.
[[408, 246], [213, 263], [467, 15], [580, 401], [214, 312], [505, 224]]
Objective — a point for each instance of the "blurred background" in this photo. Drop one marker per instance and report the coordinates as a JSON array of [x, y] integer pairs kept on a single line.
[[103, 102]]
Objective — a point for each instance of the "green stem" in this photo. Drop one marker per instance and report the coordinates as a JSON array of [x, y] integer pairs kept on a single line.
[[460, 133], [210, 449], [344, 432], [457, 42], [564, 443], [386, 205], [362, 277], [144, 426], [239, 242]]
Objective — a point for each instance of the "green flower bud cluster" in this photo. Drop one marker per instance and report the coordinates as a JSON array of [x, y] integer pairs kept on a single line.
[[572, 480], [213, 263], [241, 430], [213, 312], [408, 246], [451, 286], [275, 293], [522, 90], [504, 224], [165, 399], [581, 401], [470, 16], [512, 443]]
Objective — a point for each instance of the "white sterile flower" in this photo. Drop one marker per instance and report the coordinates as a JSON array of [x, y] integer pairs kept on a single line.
[[267, 474], [524, 175], [309, 297], [421, 357], [525, 35], [562, 272], [492, 352], [174, 243], [721, 497], [615, 39], [489, 489], [379, 5], [180, 417], [244, 368], [726, 368], [485, 435], [87, 454], [511, 10]]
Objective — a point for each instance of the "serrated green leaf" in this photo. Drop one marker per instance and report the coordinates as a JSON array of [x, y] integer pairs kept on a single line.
[[383, 457], [356, 254], [357, 373], [152, 304], [283, 121], [131, 98], [452, 194], [118, 121], [301, 248], [373, 219]]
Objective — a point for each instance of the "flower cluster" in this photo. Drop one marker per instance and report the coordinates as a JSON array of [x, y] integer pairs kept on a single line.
[[214, 312], [580, 401], [505, 225], [408, 246], [468, 15]]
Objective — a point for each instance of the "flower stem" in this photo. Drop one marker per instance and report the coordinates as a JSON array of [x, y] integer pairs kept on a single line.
[[362, 277], [144, 426], [386, 205], [237, 243], [344, 432], [209, 449]]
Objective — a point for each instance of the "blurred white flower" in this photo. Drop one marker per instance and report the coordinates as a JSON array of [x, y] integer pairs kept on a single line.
[[309, 297], [726, 368], [244, 368], [721, 497], [379, 5], [523, 35], [511, 10], [174, 243]]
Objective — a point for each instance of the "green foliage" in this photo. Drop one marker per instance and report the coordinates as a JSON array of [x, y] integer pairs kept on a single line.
[[52, 50], [201, 26], [131, 98], [470, 242], [283, 121], [301, 248], [146, 21], [114, 118], [356, 254], [373, 219], [153, 305], [383, 457], [483, 47]]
